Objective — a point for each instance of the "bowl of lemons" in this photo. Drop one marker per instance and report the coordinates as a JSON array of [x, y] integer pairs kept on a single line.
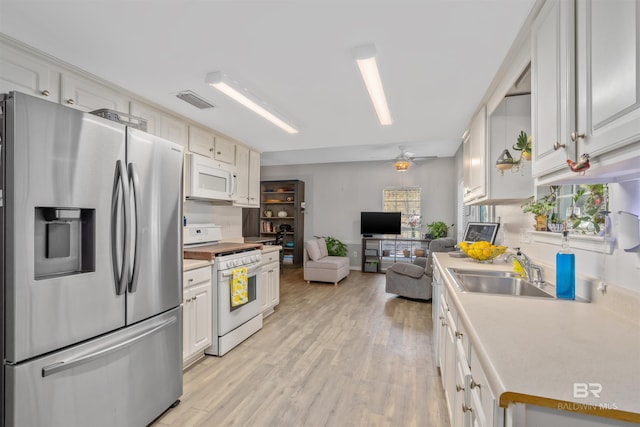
[[482, 251]]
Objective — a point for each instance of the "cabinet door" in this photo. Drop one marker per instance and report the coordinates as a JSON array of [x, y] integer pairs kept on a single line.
[[242, 178], [24, 73], [87, 95], [201, 309], [264, 279], [254, 179], [552, 80], [608, 76], [225, 150], [475, 157], [274, 284], [442, 335], [187, 347], [201, 141], [161, 124]]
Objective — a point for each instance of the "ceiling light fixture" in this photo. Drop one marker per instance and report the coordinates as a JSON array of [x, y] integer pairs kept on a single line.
[[365, 57], [402, 165], [226, 86]]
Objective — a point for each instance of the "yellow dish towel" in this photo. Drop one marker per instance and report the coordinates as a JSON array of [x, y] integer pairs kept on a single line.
[[239, 289]]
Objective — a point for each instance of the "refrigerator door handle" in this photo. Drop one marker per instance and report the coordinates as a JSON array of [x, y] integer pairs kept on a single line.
[[102, 352], [120, 277], [134, 182]]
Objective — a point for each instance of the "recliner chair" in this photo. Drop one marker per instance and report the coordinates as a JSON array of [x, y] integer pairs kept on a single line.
[[414, 280]]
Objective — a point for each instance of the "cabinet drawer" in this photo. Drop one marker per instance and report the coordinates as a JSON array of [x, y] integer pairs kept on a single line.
[[270, 257], [199, 275]]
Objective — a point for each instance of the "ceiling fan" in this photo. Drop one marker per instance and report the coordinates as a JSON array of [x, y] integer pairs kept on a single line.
[[403, 161]]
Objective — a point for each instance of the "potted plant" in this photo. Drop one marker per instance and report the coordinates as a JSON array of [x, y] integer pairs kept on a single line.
[[556, 224], [438, 229], [334, 246], [540, 209], [523, 144], [594, 211]]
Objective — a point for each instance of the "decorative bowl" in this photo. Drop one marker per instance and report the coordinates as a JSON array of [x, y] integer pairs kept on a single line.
[[555, 228], [482, 251]]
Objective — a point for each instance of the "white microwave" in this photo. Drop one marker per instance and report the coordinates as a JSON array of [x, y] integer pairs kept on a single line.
[[207, 179]]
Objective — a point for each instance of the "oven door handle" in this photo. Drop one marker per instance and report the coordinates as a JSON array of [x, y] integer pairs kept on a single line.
[[253, 269]]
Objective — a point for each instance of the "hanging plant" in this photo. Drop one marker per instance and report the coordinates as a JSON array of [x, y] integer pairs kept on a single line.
[[523, 143]]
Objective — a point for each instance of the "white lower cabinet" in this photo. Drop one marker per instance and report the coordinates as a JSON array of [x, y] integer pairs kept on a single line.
[[270, 282], [196, 306], [470, 401]]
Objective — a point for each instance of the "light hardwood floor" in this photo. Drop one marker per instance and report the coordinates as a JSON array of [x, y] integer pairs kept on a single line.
[[346, 355]]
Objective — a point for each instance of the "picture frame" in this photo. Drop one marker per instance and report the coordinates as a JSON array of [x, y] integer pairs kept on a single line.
[[477, 231]]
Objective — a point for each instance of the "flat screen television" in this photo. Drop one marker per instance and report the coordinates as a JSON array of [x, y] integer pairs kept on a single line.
[[380, 223]]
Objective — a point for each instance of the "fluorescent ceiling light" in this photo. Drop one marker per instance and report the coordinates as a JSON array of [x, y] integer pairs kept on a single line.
[[366, 59], [222, 83]]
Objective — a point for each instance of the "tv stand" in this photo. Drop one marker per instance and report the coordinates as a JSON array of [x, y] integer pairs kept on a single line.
[[379, 253]]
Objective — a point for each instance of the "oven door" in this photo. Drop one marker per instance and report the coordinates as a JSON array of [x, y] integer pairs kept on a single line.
[[230, 317]]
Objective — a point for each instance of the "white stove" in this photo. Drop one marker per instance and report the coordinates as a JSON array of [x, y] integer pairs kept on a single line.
[[230, 324]]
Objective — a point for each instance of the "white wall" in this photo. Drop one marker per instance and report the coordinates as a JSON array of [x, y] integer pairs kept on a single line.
[[336, 193], [228, 217]]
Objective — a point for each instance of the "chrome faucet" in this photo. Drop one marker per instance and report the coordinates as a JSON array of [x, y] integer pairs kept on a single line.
[[528, 266]]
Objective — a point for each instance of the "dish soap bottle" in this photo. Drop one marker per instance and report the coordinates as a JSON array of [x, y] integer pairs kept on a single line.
[[565, 270]]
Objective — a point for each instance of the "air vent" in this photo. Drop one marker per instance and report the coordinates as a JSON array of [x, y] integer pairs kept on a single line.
[[194, 100]]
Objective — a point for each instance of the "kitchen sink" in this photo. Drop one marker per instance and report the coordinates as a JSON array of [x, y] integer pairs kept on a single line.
[[496, 282], [485, 272]]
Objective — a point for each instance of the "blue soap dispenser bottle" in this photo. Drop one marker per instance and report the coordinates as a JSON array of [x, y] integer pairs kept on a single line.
[[565, 270]]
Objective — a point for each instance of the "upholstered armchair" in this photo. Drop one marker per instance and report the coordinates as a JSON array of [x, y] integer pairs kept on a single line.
[[414, 280]]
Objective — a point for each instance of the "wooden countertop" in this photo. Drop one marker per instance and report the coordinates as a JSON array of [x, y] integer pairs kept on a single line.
[[209, 252], [533, 350]]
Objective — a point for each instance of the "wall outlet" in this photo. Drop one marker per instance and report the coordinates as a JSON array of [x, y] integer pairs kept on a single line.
[[524, 236], [355, 254]]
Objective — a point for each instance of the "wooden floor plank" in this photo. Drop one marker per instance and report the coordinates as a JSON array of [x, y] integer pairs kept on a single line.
[[346, 355]]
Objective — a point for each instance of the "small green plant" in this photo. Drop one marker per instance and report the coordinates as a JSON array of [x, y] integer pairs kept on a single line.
[[595, 208], [335, 247], [523, 143], [544, 206], [438, 229]]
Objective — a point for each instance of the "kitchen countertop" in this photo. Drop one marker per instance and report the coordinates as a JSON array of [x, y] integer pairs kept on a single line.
[[270, 248], [192, 264], [209, 252], [533, 350], [259, 239]]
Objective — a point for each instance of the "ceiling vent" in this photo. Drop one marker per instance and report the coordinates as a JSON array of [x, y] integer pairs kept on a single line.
[[195, 100]]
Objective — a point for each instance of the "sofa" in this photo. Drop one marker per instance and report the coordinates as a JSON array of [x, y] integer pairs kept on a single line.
[[319, 266], [413, 280]]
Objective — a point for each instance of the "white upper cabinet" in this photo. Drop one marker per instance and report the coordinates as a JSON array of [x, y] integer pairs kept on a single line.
[[474, 157], [552, 70], [206, 143], [201, 141], [254, 178], [161, 124], [608, 76], [225, 150], [241, 196], [25, 73], [87, 95], [247, 178], [586, 90]]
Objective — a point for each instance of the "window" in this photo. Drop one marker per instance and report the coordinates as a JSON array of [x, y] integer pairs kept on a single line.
[[407, 201]]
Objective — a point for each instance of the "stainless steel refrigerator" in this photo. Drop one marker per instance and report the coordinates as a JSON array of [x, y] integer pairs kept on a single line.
[[92, 268]]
